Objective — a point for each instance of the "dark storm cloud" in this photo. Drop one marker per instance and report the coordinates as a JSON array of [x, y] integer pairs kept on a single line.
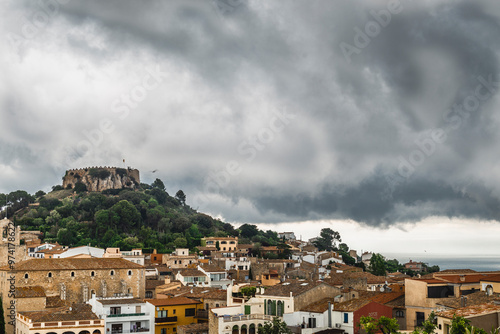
[[355, 145]]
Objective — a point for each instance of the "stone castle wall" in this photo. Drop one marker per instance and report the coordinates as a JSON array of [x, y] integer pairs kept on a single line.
[[102, 178]]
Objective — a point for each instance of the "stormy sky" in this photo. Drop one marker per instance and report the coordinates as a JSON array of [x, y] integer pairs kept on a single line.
[[375, 112]]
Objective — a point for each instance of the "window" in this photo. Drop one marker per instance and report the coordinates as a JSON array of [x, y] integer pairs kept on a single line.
[[190, 312], [130, 273], [149, 294], [346, 318], [163, 331], [26, 276], [162, 314], [175, 329], [115, 310], [112, 273], [92, 273], [180, 261], [420, 318], [49, 275], [72, 274], [174, 311], [175, 262], [400, 314]]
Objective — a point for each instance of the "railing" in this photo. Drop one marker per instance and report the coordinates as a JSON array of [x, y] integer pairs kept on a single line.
[[126, 315], [248, 317], [121, 331], [202, 314], [166, 319]]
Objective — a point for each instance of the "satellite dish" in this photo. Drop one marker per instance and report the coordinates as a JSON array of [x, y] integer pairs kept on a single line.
[[382, 289]]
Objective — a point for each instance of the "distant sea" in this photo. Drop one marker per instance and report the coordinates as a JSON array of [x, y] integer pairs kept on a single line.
[[474, 262]]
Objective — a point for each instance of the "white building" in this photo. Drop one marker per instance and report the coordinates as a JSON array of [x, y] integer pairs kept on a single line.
[[123, 315], [135, 256], [217, 277]]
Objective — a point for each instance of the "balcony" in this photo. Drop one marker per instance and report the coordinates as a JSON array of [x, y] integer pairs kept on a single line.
[[123, 331], [248, 317], [201, 314], [166, 319], [126, 315]]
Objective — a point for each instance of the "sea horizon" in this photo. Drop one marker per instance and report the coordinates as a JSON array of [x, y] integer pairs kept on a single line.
[[474, 262]]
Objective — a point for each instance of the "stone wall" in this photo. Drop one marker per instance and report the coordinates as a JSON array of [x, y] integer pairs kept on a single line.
[[102, 178], [317, 293]]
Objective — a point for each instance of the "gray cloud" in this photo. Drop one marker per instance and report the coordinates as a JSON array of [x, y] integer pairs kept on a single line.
[[229, 74]]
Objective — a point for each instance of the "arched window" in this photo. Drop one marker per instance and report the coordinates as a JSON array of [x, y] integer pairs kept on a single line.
[[281, 308], [26, 276], [244, 329], [236, 329], [129, 272], [92, 273], [112, 273], [49, 275], [72, 274]]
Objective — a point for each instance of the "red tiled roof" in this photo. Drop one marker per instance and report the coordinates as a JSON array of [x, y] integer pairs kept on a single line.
[[77, 312]]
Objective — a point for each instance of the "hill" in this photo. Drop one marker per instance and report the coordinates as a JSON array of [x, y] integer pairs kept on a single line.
[[146, 217]]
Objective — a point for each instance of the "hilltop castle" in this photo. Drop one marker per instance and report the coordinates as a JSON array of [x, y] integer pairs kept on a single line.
[[102, 178]]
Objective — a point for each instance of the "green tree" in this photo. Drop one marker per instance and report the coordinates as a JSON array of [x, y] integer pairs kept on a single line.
[[39, 193], [181, 197], [65, 237], [248, 230], [128, 215], [158, 184], [377, 265], [460, 325], [275, 327], [80, 187], [180, 242], [327, 239], [383, 324]]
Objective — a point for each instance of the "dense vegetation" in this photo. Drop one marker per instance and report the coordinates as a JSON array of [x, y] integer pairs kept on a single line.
[[148, 218]]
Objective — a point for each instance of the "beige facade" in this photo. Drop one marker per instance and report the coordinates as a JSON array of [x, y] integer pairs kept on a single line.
[[225, 243], [180, 259]]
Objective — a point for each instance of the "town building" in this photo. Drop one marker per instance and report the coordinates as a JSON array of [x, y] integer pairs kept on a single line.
[[123, 314], [180, 258], [77, 318], [414, 266], [225, 243], [169, 313]]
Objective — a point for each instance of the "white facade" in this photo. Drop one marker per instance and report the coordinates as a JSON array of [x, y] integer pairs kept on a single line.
[[135, 256], [216, 279], [35, 251], [241, 263], [123, 315], [233, 319], [200, 281]]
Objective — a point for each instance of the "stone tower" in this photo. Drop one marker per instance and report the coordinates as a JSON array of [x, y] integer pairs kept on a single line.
[[102, 178]]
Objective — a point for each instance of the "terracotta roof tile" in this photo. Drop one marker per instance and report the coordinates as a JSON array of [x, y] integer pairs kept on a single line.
[[470, 311], [76, 264], [30, 292], [77, 312]]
